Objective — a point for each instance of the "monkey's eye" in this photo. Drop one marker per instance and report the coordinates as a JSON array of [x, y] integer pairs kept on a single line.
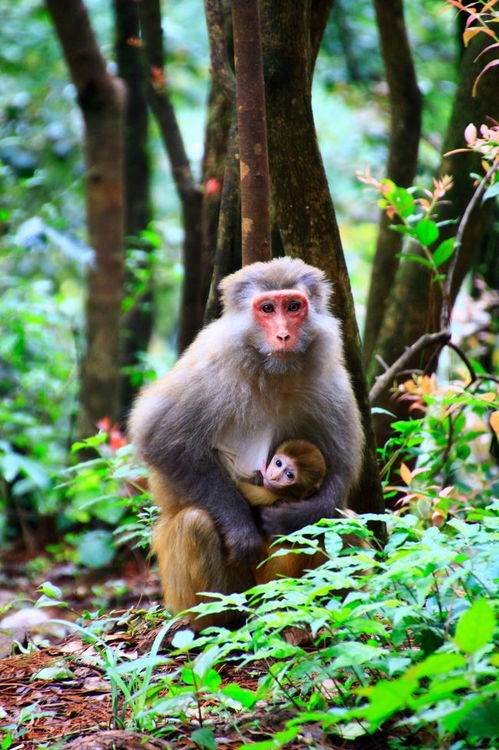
[[294, 306], [267, 307], [290, 475], [278, 463]]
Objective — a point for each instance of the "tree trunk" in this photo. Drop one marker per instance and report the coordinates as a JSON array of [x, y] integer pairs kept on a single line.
[[190, 195], [252, 131], [138, 320], [101, 98], [220, 112], [301, 201], [228, 248], [405, 131], [415, 303]]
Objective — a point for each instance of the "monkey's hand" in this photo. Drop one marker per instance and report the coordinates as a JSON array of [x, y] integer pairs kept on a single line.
[[284, 518], [244, 545]]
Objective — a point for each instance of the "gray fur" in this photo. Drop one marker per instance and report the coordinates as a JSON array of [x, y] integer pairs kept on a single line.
[[228, 377]]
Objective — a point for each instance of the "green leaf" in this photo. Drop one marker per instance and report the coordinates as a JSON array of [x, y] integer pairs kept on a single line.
[[49, 589], [402, 229], [437, 664], [204, 737], [475, 627], [402, 200], [205, 661], [491, 192], [483, 721], [278, 740], [351, 653], [246, 697], [444, 251], [426, 231], [211, 680], [182, 639], [417, 259], [53, 674], [387, 698], [96, 548], [379, 410]]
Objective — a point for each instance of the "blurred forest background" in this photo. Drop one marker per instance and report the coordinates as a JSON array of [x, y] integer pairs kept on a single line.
[[119, 213], [91, 309]]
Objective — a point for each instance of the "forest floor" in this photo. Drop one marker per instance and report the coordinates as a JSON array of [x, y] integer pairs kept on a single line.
[[53, 688]]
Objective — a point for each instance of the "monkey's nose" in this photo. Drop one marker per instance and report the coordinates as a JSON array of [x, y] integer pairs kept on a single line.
[[283, 336]]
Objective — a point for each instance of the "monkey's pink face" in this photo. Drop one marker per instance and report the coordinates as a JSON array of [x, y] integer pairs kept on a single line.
[[281, 314], [280, 473]]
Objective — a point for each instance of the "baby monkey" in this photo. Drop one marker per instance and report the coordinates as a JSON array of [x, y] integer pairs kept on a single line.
[[295, 471]]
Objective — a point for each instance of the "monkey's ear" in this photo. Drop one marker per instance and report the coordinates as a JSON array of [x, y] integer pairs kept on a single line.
[[318, 288], [235, 290]]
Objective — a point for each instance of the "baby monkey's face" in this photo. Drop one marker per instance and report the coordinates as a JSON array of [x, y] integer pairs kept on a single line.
[[281, 472]]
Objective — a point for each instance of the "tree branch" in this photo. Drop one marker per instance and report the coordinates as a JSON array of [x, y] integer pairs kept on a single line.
[[252, 130], [428, 339], [447, 295]]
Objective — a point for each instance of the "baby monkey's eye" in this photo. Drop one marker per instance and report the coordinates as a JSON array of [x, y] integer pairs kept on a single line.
[[278, 462], [294, 306], [290, 475], [267, 307]]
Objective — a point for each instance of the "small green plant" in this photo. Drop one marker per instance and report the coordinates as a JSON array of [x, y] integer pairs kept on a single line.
[[410, 646], [451, 447], [111, 489]]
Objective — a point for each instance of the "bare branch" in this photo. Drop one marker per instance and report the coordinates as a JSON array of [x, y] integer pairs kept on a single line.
[[384, 380]]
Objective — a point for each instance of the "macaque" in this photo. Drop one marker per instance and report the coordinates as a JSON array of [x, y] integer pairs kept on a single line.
[[294, 472], [271, 366]]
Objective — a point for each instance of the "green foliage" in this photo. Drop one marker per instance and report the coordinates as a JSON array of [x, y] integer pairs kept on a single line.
[[453, 448], [412, 641], [396, 642]]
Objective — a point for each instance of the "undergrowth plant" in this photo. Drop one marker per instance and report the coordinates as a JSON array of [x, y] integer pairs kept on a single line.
[[409, 649]]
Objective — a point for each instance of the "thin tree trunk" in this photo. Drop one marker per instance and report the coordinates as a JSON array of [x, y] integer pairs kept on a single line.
[[228, 249], [405, 132], [138, 321], [252, 130], [302, 204], [102, 99], [220, 110], [189, 192]]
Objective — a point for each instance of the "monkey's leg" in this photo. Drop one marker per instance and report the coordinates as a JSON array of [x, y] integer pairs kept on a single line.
[[289, 566], [192, 559]]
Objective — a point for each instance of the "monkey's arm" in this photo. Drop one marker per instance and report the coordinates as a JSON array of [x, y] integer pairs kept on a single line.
[[283, 519], [339, 438], [255, 494], [172, 436]]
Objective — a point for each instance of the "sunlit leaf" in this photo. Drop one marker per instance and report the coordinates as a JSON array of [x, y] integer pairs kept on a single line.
[[444, 251], [475, 627], [426, 231]]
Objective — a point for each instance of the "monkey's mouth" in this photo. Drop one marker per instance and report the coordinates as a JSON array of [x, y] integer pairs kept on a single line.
[[269, 484], [281, 353]]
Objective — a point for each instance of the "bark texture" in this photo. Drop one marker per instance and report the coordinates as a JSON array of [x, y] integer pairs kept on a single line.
[[137, 172], [215, 155], [252, 131], [405, 132], [302, 205], [189, 192], [101, 98], [228, 247]]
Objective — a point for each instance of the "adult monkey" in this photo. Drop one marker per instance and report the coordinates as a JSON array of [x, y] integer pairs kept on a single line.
[[271, 368]]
